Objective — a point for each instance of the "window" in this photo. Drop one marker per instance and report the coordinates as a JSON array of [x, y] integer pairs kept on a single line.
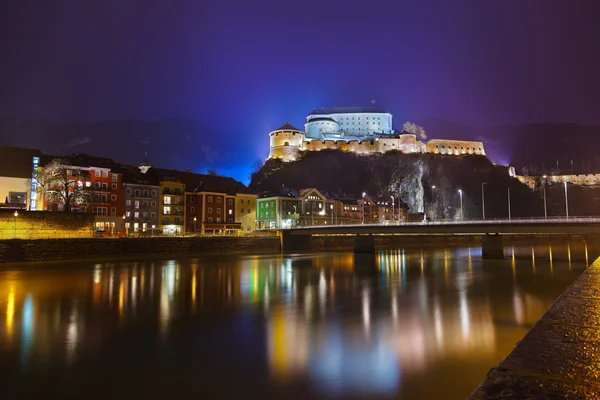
[[230, 202], [209, 219], [153, 215], [230, 211], [241, 210], [166, 210], [128, 214], [137, 192], [229, 220], [103, 198], [97, 185], [249, 211], [128, 203], [102, 211], [97, 172], [105, 174], [218, 211], [193, 210], [145, 193], [136, 214], [177, 191], [88, 184], [210, 199], [113, 211], [153, 204], [115, 178], [167, 200], [137, 204], [192, 199], [105, 187], [167, 221], [128, 191], [154, 193], [113, 197], [210, 210], [145, 203], [218, 199], [218, 219], [247, 229], [114, 186], [177, 221], [241, 201]]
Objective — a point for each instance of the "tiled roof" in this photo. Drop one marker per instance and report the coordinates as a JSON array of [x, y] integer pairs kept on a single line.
[[288, 127], [347, 110]]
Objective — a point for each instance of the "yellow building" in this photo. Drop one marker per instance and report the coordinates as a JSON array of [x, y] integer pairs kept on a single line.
[[245, 212], [172, 205]]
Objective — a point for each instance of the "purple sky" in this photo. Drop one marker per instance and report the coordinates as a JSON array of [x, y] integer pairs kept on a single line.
[[243, 68]]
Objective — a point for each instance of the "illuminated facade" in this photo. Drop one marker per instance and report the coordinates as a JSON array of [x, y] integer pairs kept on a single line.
[[360, 130]]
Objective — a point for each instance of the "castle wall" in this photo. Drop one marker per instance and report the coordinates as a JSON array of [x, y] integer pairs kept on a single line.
[[285, 145], [581, 180], [454, 147]]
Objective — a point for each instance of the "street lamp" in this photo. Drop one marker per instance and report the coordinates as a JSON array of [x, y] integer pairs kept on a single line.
[[393, 210], [124, 224], [363, 207], [566, 201], [483, 199], [509, 214], [462, 217], [16, 214], [545, 205], [195, 225], [331, 207]]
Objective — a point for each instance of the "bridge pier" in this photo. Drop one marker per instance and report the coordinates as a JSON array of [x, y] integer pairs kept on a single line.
[[295, 243], [492, 246], [364, 244]]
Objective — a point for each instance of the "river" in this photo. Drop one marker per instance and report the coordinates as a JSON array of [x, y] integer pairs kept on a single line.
[[410, 323]]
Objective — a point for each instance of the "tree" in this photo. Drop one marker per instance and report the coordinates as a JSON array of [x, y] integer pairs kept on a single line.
[[65, 184], [211, 172], [414, 129]]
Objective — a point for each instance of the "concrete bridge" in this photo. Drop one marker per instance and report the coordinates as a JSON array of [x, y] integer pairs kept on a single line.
[[490, 231]]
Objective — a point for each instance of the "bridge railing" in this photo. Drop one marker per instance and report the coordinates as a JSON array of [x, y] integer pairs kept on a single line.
[[503, 221]]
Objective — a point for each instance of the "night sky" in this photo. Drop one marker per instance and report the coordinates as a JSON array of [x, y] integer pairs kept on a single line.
[[243, 68]]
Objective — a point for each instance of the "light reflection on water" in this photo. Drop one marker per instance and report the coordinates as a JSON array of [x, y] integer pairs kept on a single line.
[[337, 325]]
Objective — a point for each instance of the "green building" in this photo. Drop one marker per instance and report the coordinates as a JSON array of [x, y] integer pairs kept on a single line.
[[278, 212]]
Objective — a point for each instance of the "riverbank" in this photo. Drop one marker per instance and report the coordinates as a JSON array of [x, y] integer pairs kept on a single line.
[[560, 357], [102, 249]]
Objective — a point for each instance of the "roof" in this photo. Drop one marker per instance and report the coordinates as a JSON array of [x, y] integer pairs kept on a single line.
[[323, 119], [287, 127], [347, 110], [211, 183]]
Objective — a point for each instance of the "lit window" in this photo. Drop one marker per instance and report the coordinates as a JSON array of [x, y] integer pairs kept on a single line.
[[97, 172], [230, 211], [167, 200]]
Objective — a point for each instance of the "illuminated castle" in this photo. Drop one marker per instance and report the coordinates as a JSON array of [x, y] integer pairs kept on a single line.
[[361, 130]]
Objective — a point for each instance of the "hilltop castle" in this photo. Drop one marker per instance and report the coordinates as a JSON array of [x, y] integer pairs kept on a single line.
[[361, 130]]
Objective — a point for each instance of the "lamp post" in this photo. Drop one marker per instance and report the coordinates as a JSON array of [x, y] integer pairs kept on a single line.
[[509, 214], [545, 205], [483, 199], [363, 207], [566, 201], [124, 224], [195, 225], [331, 208], [462, 216], [393, 210], [16, 214]]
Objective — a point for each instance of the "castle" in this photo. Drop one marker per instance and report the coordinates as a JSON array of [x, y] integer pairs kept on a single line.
[[361, 130]]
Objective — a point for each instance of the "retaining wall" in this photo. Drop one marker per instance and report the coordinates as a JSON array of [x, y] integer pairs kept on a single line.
[[73, 249], [45, 225]]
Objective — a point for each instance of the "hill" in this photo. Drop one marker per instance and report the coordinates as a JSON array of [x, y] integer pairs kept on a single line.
[[426, 182]]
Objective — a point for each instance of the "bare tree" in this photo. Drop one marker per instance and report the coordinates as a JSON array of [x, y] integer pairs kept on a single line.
[[65, 184]]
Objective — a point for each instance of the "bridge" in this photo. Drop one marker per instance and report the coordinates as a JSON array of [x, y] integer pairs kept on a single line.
[[490, 231]]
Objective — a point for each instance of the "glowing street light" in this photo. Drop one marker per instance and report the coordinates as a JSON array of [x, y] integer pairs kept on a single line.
[[462, 217], [195, 225], [393, 210], [566, 201], [363, 207], [124, 224], [16, 214], [545, 205]]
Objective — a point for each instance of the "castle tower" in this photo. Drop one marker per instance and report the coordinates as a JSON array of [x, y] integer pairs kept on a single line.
[[285, 143]]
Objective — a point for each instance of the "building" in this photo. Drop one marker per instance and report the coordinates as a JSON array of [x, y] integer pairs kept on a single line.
[[171, 202], [18, 170], [217, 205], [99, 181], [360, 130], [317, 209], [278, 212], [142, 200]]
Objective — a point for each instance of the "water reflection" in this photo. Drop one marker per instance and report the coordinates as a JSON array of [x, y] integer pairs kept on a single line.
[[340, 324]]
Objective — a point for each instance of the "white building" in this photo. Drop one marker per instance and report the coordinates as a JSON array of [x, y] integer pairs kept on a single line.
[[348, 123]]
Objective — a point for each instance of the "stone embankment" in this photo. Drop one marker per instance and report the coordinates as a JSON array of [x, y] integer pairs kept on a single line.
[[74, 249], [560, 357]]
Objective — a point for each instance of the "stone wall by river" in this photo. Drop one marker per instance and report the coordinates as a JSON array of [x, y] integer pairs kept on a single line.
[[74, 249]]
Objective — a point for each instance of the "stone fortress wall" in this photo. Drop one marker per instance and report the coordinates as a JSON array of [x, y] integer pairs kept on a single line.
[[287, 144], [582, 180]]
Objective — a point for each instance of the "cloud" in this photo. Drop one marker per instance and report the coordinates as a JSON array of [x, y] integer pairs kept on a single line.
[[79, 141]]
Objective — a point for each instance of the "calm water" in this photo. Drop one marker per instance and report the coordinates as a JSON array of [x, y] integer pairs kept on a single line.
[[407, 324]]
